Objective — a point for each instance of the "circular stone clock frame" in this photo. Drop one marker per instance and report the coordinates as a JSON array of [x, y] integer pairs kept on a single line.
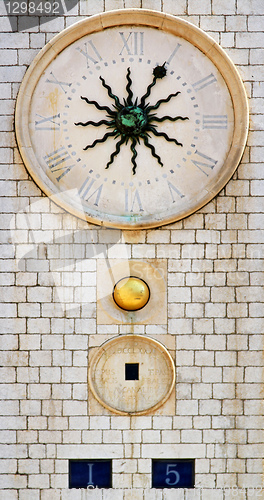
[[95, 214]]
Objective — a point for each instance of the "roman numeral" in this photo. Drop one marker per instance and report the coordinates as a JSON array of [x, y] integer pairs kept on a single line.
[[173, 189], [90, 53], [206, 162], [173, 53], [57, 82], [133, 44], [56, 161], [214, 121], [136, 200], [84, 191], [201, 84], [47, 123]]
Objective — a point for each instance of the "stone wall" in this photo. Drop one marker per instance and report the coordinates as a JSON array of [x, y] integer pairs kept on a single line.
[[215, 297]]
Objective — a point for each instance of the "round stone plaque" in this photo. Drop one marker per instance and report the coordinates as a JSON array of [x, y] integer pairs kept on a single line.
[[132, 375]]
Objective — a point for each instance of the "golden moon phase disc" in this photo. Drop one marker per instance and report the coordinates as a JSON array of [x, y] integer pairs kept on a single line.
[[131, 293]]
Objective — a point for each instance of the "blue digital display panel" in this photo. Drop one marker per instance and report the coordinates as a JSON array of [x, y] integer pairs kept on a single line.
[[90, 474], [173, 473]]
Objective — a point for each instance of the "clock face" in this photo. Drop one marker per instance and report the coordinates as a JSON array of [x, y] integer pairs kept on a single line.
[[132, 125]]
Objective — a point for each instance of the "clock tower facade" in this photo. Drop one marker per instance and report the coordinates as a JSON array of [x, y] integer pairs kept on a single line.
[[132, 301]]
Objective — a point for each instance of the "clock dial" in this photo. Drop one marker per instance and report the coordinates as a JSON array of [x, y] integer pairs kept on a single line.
[[132, 126]]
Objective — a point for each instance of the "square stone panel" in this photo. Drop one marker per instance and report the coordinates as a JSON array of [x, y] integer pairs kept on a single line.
[[152, 271]]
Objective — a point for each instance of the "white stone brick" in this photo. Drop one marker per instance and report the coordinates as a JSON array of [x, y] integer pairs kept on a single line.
[[225, 390], [244, 451], [40, 358], [74, 408], [224, 325], [99, 422], [132, 450], [249, 391], [171, 494], [112, 436], [203, 326], [180, 450], [53, 408], [209, 407], [254, 7], [89, 451], [158, 236], [54, 342], [202, 391], [151, 436], [120, 422], [78, 422], [38, 481], [203, 422], [32, 407], [171, 436], [201, 294], [57, 423], [74, 374], [192, 342], [253, 465], [12, 391], [188, 374], [29, 342], [183, 391], [216, 310], [8, 342], [212, 374], [191, 436], [132, 436], [169, 251], [232, 407], [162, 422], [194, 310], [233, 374], [176, 326], [187, 407], [61, 358], [204, 7], [204, 358], [182, 422], [141, 422]]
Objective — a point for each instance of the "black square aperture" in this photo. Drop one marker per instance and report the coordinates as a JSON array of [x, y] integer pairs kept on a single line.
[[131, 371]]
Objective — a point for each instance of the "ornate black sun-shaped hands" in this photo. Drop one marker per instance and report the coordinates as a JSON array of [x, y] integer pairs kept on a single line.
[[132, 120]]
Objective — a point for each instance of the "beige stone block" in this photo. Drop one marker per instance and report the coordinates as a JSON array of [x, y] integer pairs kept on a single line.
[[233, 374], [254, 465], [132, 450], [171, 436], [180, 450], [185, 407], [211, 374], [226, 480], [191, 436], [69, 437], [171, 494], [209, 407]]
